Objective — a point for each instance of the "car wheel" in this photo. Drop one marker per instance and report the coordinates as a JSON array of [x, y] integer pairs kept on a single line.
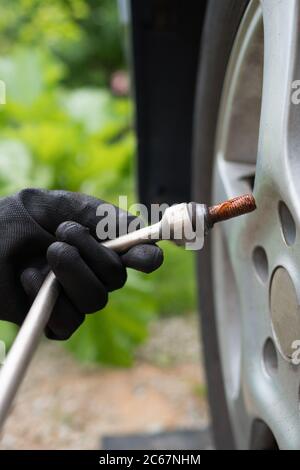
[[246, 138]]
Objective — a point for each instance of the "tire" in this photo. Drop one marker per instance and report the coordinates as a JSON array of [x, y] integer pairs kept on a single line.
[[221, 25]]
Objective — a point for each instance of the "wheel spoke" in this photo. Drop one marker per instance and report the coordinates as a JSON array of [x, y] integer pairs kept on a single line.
[[273, 173], [240, 329]]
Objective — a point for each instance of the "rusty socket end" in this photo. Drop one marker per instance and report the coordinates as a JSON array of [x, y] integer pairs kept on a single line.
[[232, 208]]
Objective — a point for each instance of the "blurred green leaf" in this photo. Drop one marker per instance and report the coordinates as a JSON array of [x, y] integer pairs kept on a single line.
[[27, 73], [110, 336], [88, 107], [174, 282], [7, 333]]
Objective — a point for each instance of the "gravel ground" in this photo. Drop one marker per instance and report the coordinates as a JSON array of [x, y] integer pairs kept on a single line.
[[66, 405]]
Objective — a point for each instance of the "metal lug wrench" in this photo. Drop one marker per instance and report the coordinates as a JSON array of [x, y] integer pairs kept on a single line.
[[182, 223]]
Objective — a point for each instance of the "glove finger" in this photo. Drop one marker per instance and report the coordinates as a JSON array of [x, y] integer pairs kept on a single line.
[[105, 263], [80, 284], [64, 321], [50, 208], [65, 318], [145, 258]]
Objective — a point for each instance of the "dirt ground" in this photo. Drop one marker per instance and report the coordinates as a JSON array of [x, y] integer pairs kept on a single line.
[[66, 405]]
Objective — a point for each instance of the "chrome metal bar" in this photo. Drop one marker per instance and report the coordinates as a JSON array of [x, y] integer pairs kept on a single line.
[[21, 352]]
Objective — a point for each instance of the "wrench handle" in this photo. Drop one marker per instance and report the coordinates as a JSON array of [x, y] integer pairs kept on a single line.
[[26, 342]]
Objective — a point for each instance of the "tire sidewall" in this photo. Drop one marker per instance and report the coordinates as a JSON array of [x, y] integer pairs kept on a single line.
[[220, 28]]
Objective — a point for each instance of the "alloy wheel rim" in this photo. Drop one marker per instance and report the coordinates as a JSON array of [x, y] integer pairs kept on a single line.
[[256, 258]]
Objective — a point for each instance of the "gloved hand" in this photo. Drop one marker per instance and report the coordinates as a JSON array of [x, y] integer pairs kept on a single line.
[[42, 230]]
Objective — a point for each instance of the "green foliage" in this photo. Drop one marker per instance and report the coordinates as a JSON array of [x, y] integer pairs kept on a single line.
[[84, 34], [56, 136], [111, 336], [7, 333], [175, 281]]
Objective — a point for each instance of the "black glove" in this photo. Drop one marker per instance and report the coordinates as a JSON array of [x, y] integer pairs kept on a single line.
[[42, 230]]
